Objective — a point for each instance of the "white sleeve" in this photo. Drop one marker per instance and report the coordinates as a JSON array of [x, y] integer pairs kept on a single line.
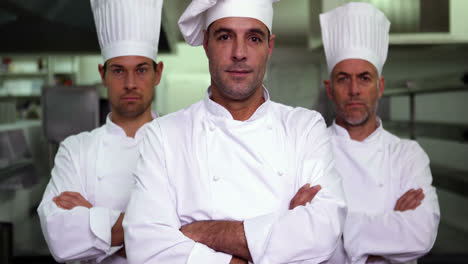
[[151, 223], [416, 229], [80, 233], [306, 234]]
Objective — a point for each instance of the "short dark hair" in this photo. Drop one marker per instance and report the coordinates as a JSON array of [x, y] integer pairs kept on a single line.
[[104, 67]]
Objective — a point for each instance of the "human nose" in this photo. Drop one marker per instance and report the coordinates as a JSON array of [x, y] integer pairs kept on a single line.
[[239, 50], [130, 81], [354, 87]]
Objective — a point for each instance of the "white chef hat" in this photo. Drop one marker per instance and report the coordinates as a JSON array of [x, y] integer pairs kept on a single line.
[[128, 27], [355, 31], [201, 13]]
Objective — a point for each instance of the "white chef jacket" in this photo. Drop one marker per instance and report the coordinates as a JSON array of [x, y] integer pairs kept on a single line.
[[201, 164], [98, 165], [376, 173]]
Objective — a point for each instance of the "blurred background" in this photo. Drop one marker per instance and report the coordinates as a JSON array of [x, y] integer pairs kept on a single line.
[[49, 73]]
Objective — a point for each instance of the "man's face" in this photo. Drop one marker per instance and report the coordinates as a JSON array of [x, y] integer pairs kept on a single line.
[[130, 82], [238, 50], [355, 89]]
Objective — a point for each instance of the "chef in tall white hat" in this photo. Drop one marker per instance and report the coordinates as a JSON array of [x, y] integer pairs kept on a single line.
[[84, 204], [393, 212], [236, 177]]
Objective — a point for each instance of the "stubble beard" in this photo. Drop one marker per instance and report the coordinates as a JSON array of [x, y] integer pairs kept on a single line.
[[237, 91], [132, 111], [351, 120], [236, 88]]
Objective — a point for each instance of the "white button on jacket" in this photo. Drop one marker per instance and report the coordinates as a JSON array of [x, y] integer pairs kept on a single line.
[[180, 156], [376, 173], [98, 165]]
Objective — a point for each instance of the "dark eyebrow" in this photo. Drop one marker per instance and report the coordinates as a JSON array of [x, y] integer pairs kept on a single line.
[[221, 30], [116, 66], [343, 73], [360, 74], [364, 74], [258, 31], [121, 66], [228, 30]]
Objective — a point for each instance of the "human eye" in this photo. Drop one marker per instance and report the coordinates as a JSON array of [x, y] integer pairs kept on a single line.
[[117, 71], [223, 37], [255, 39], [142, 70], [365, 78], [342, 78]]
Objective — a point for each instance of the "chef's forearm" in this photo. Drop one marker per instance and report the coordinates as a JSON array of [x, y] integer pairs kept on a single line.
[[417, 232], [236, 260], [223, 236], [63, 228], [117, 233]]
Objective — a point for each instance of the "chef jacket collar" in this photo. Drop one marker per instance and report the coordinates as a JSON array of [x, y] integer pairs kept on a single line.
[[343, 133], [219, 110], [113, 129]]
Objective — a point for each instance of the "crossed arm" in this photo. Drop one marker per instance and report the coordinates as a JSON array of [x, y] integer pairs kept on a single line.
[[270, 235], [70, 200], [229, 236], [408, 201]]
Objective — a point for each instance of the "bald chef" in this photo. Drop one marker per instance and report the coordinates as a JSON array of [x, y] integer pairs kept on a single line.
[[83, 206], [217, 182], [393, 210]]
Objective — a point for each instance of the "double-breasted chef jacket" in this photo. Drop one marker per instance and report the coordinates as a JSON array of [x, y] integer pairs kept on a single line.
[[200, 164], [99, 166], [376, 173]]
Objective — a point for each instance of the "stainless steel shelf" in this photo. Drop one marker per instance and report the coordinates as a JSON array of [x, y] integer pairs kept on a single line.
[[14, 97], [432, 84], [455, 132], [19, 175], [22, 75], [437, 84]]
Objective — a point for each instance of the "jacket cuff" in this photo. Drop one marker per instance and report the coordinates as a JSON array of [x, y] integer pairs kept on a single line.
[[203, 254], [257, 232], [101, 221], [111, 252]]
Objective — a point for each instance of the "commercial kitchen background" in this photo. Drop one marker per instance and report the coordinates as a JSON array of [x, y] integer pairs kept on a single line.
[[54, 43]]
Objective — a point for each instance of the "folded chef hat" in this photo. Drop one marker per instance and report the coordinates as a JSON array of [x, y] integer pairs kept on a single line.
[[201, 13], [355, 31], [128, 27]]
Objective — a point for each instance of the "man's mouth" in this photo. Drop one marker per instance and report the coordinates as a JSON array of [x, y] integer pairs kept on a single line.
[[130, 98], [239, 70], [238, 73], [355, 104]]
